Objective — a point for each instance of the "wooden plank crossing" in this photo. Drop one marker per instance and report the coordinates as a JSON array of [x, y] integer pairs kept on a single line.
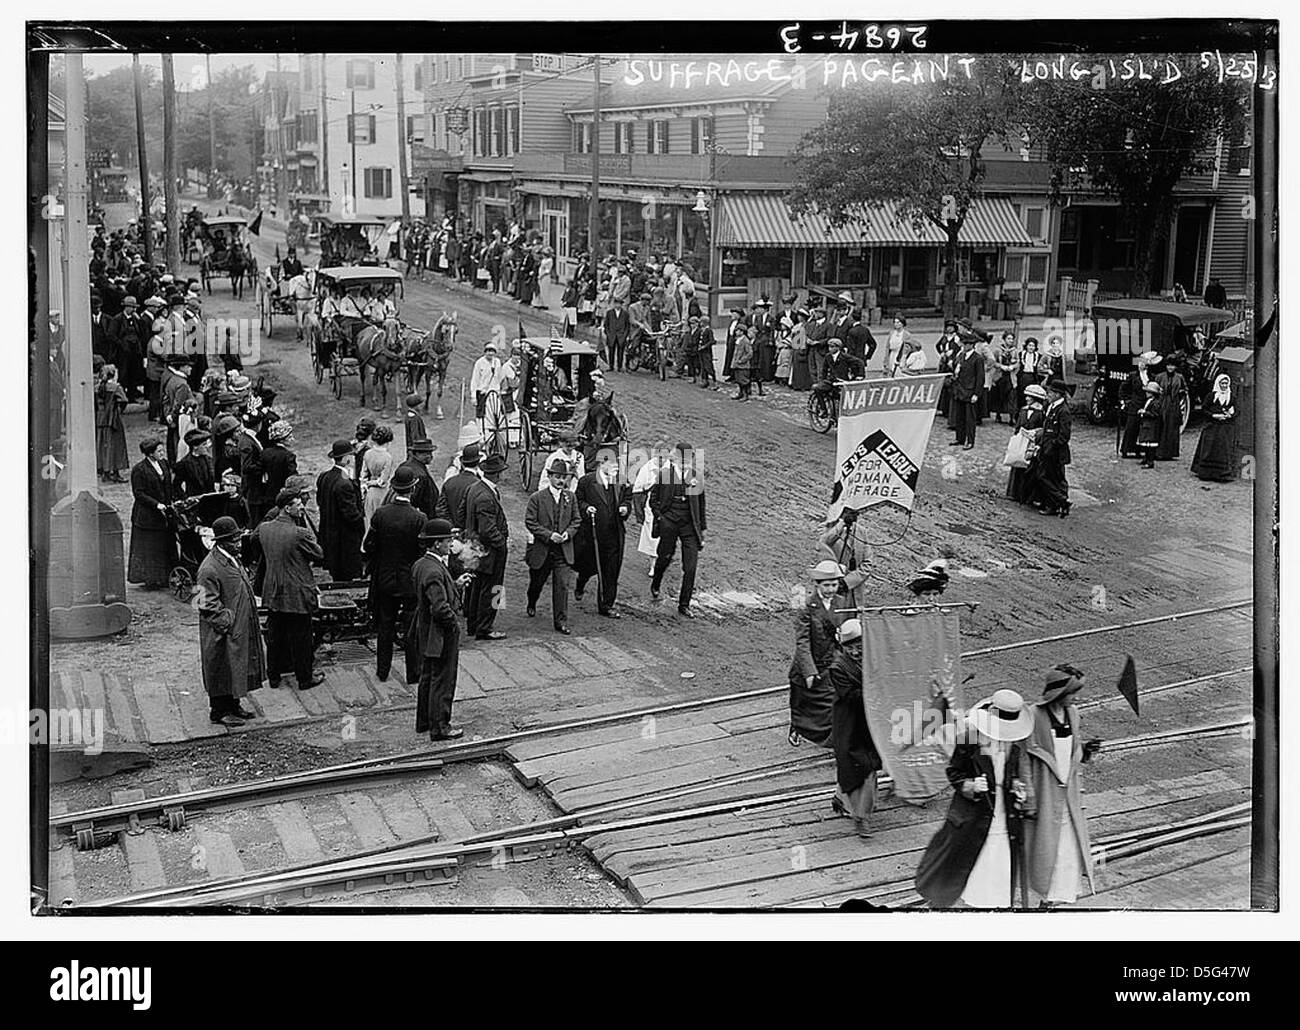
[[800, 853]]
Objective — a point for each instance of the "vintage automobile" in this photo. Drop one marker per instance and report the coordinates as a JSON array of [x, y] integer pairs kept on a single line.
[[1125, 328]]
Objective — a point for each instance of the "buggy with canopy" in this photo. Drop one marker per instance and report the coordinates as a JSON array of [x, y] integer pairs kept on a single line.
[[351, 240]]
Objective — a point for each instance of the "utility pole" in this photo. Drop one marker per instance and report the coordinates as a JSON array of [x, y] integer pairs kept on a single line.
[[323, 121], [352, 136], [169, 165], [145, 208], [212, 125], [85, 591], [401, 141], [593, 209], [280, 176]]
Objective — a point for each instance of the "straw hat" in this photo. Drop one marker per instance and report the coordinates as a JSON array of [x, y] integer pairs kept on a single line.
[[850, 630], [827, 569], [1004, 716]]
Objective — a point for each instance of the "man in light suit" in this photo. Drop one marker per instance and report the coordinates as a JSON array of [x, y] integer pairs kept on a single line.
[[552, 520], [437, 633]]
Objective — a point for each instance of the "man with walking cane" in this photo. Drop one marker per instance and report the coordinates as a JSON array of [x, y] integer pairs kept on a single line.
[[605, 504]]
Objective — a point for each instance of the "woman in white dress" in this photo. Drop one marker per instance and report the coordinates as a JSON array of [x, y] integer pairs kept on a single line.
[[1059, 854], [968, 862], [376, 471], [547, 296]]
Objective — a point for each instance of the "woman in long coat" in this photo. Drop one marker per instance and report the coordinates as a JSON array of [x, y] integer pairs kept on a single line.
[[153, 545], [800, 372], [1151, 425], [1216, 450], [816, 623], [1058, 853], [230, 638], [1029, 420], [110, 433], [1174, 389], [376, 471], [856, 759], [969, 861]]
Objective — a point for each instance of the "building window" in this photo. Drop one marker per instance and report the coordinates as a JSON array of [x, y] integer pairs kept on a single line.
[[307, 179], [656, 138], [498, 121], [379, 183], [433, 68], [1034, 222], [306, 75], [415, 128], [307, 127], [419, 76], [361, 128], [460, 66], [741, 265], [361, 74], [582, 138], [512, 130], [701, 135], [289, 133], [446, 67], [622, 137]]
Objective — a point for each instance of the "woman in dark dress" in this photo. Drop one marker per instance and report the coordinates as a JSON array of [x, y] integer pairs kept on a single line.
[[1173, 390], [856, 759], [153, 545], [110, 434], [1029, 419], [1216, 449], [1003, 395], [947, 349], [800, 372], [1028, 371], [816, 625]]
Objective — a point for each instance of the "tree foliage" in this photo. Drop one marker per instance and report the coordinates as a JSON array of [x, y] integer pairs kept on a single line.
[[916, 149], [1134, 140]]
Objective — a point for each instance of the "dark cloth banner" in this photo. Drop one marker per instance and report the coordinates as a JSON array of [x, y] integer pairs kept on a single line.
[[911, 689]]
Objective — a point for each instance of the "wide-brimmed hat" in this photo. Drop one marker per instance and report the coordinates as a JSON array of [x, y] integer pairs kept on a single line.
[[225, 528], [1061, 386], [287, 496], [197, 436], [1059, 681], [225, 424], [1152, 387], [1149, 358], [1004, 716], [281, 430], [850, 630], [470, 456], [493, 464], [403, 480], [1034, 390], [435, 529], [152, 302], [414, 400], [340, 449], [825, 570]]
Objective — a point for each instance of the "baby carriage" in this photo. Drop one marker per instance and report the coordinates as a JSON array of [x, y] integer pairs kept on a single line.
[[192, 519]]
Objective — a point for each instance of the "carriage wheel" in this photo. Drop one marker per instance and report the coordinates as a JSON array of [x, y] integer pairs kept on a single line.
[[316, 368], [181, 583], [496, 433], [264, 304], [525, 449]]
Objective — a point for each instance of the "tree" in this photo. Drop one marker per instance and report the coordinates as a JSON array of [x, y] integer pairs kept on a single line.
[[913, 147], [1134, 140]]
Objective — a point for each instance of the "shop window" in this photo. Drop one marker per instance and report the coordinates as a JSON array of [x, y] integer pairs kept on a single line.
[[695, 245], [661, 230], [633, 232], [739, 266]]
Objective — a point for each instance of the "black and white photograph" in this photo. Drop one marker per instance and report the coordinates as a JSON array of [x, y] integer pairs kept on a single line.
[[818, 466]]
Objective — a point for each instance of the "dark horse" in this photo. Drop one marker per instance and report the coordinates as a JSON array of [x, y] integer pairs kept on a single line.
[[379, 348], [427, 358], [236, 262], [603, 428]]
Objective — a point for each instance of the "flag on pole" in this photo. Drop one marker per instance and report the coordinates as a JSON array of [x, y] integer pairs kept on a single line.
[[883, 432], [1128, 684], [255, 226]]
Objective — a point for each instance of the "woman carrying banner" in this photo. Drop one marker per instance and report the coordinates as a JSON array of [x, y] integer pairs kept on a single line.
[[856, 759], [968, 863], [818, 618], [1058, 855], [844, 544]]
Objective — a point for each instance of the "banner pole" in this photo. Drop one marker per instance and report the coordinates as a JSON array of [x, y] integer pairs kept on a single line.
[[972, 605]]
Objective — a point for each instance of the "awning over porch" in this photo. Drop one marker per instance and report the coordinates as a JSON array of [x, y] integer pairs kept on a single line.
[[765, 220]]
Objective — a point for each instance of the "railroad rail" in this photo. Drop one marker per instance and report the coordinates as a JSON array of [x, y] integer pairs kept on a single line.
[[95, 827]]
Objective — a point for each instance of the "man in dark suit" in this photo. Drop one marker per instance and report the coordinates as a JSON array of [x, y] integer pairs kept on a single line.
[[289, 591], [100, 341], [127, 339], [455, 491], [552, 521], [618, 326], [1054, 452], [486, 525], [677, 500], [859, 342], [967, 382], [413, 422], [251, 485], [424, 496], [277, 459], [604, 504], [341, 520], [193, 474], [391, 547], [811, 695], [436, 633]]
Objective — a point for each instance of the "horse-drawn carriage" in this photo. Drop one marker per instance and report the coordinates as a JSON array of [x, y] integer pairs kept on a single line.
[[225, 250], [286, 297], [305, 211], [351, 240], [356, 329], [556, 398]]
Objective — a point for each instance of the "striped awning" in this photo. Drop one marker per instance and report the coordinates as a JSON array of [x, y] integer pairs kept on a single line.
[[765, 220]]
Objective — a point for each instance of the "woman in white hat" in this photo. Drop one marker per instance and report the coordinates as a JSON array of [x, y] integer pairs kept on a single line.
[[1132, 397], [857, 762], [1151, 418], [968, 862], [1029, 421], [817, 619]]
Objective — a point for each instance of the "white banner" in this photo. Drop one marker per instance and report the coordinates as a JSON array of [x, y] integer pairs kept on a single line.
[[883, 431]]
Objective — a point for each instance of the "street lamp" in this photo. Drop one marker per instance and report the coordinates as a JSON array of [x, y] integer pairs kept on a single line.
[[701, 202]]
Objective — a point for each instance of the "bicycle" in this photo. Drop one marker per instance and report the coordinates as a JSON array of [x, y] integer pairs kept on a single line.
[[823, 407]]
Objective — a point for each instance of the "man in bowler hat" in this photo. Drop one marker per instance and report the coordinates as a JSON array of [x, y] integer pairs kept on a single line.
[[486, 526], [552, 520], [392, 547], [341, 520], [436, 632]]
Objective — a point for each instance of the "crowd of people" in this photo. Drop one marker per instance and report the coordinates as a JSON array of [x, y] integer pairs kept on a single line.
[[505, 260]]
